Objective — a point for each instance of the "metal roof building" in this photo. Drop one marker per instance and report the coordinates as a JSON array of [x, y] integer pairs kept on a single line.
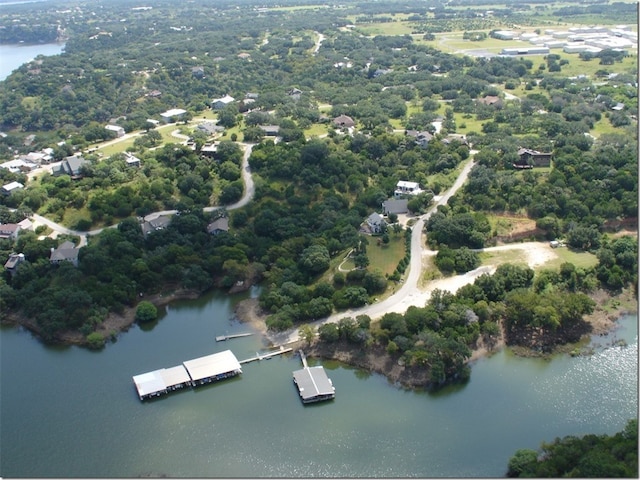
[[212, 367], [313, 384], [158, 382]]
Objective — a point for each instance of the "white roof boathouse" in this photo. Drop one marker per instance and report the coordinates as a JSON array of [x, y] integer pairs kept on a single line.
[[198, 371], [313, 383], [212, 367]]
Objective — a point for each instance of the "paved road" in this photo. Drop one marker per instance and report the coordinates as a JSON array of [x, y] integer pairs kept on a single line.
[[249, 192], [409, 293]]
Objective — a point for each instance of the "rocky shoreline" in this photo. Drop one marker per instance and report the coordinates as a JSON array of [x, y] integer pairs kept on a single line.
[[602, 321]]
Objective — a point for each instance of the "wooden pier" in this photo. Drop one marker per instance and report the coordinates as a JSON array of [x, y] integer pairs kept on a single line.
[[266, 356], [223, 338]]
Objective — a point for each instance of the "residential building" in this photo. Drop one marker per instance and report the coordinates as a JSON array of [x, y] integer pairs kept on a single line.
[[71, 166], [375, 223], [155, 224], [218, 226], [421, 138], [395, 205], [9, 230], [66, 252], [344, 121], [11, 265], [170, 115], [131, 159], [9, 188], [270, 130], [117, 129], [220, 103], [532, 158], [404, 189]]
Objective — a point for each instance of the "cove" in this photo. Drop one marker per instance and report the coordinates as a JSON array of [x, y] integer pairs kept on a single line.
[[71, 412], [13, 56]]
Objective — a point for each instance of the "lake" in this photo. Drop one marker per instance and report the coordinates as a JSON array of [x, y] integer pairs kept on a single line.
[[13, 56], [70, 412]]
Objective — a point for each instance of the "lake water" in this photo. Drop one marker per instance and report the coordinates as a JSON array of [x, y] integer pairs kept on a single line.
[[70, 412], [12, 56]]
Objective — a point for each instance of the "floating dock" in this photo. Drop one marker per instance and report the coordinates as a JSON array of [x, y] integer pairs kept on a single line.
[[198, 371], [313, 383], [223, 338]]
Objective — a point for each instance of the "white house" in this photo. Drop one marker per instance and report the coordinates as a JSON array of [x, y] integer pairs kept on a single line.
[[11, 187], [171, 114], [220, 103], [117, 129], [404, 188]]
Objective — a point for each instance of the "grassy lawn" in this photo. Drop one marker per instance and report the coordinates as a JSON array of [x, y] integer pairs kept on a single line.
[[466, 125], [604, 126], [316, 130], [385, 257], [515, 257], [579, 258]]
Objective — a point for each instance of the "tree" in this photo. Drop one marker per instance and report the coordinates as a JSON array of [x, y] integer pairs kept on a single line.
[[522, 463], [307, 333], [315, 259], [329, 332], [146, 312]]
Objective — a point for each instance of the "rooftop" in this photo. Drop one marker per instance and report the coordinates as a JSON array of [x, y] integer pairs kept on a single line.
[[212, 365], [313, 384]]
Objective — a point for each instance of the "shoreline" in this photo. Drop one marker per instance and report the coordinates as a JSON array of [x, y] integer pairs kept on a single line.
[[603, 320]]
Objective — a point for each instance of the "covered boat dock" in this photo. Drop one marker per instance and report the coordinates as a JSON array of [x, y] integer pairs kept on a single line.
[[159, 382], [313, 384], [212, 367], [198, 371]]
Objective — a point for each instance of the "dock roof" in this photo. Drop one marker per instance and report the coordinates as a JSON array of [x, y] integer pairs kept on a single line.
[[160, 380], [313, 382], [212, 365]]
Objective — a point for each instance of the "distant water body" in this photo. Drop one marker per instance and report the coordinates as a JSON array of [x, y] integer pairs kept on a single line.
[[13, 56]]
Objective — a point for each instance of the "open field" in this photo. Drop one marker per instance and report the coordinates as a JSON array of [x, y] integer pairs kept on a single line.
[[578, 258], [385, 257]]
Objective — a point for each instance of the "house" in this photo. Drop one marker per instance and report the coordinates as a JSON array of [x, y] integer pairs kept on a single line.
[[295, 93], [11, 265], [244, 56], [25, 224], [170, 115], [117, 129], [197, 72], [66, 252], [131, 159], [375, 223], [209, 128], [218, 226], [209, 150], [9, 188], [19, 166], [490, 100], [270, 130], [532, 158], [421, 138], [395, 205], [71, 166], [404, 188], [155, 224], [154, 93], [220, 103], [344, 121], [9, 231]]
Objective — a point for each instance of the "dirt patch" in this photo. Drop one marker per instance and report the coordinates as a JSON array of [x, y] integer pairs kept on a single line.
[[249, 311]]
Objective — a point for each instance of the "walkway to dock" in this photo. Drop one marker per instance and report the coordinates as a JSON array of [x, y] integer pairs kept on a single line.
[[266, 356], [303, 357], [223, 338]]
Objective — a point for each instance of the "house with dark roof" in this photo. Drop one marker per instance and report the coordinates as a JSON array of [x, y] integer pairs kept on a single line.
[[532, 158], [218, 226], [9, 231], [155, 224], [11, 265], [197, 72], [421, 138], [490, 100], [270, 130], [374, 224], [210, 128], [344, 121], [66, 252], [395, 205], [71, 166]]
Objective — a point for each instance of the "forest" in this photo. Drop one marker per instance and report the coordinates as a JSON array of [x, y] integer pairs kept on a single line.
[[589, 456], [316, 184]]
